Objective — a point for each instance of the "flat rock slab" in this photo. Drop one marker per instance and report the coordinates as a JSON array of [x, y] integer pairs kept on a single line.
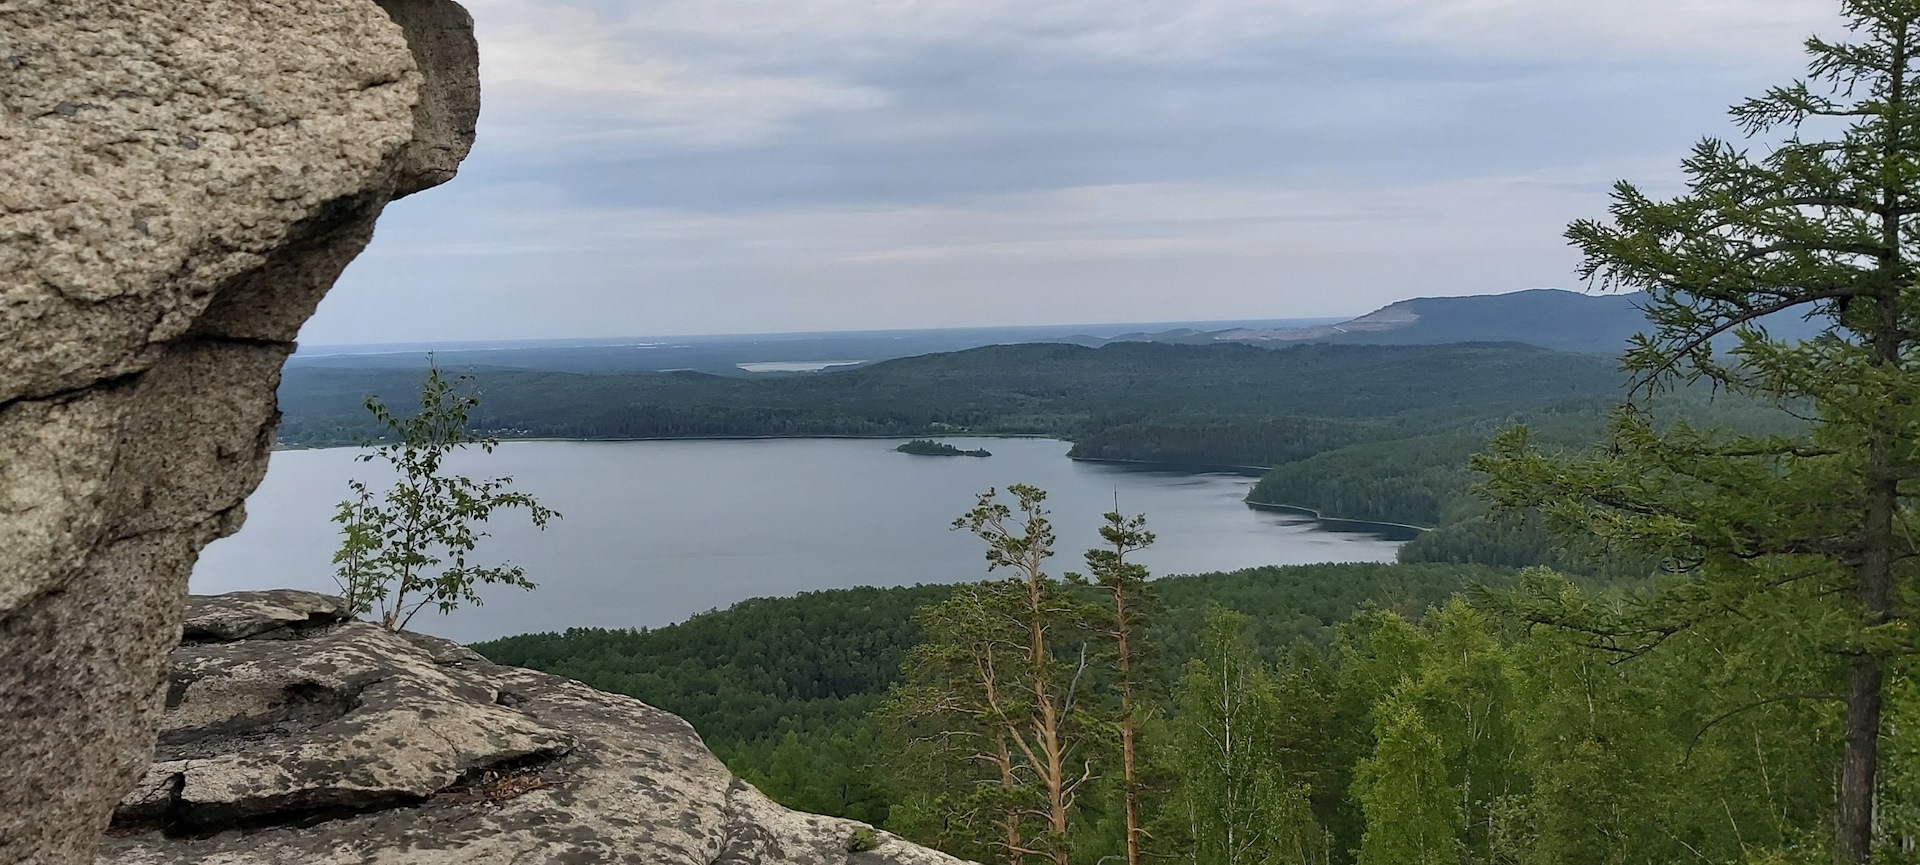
[[243, 615], [337, 742]]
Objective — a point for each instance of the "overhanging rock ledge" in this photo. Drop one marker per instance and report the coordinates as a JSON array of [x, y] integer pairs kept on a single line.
[[180, 184]]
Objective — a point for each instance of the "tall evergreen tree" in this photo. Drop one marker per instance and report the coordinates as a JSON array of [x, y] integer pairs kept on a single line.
[[958, 708], [1818, 525], [998, 689], [1125, 584]]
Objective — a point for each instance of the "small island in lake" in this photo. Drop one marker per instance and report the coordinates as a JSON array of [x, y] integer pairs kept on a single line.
[[931, 448]]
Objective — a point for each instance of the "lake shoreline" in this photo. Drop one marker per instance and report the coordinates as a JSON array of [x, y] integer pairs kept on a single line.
[[282, 446], [1341, 524], [656, 531], [1389, 530], [1215, 468], [1337, 524]]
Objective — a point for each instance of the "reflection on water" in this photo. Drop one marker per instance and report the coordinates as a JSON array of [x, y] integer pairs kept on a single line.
[[657, 531]]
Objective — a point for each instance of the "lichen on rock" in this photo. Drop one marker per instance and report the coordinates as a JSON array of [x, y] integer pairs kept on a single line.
[[336, 741], [180, 184]]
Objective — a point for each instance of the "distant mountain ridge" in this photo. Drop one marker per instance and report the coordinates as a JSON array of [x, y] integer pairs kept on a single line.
[[1546, 317]]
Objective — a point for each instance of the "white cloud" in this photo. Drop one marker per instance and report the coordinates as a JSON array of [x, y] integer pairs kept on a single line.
[[1114, 221], [758, 30], [717, 72], [1153, 159], [563, 76], [1118, 252], [1536, 27]]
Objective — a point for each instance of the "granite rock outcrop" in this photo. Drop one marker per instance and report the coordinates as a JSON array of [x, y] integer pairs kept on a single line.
[[295, 735], [180, 184]]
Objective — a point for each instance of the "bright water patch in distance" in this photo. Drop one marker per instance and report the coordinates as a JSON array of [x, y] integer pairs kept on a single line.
[[796, 365]]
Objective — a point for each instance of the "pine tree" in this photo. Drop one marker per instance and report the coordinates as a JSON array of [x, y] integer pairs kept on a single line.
[[957, 710], [1125, 584], [1817, 524], [997, 689]]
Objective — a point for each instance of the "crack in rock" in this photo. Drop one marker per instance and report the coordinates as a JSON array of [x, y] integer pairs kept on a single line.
[[364, 745]]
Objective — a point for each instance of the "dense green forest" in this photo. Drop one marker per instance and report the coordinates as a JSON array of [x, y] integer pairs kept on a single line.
[[781, 688], [1434, 711], [1138, 397]]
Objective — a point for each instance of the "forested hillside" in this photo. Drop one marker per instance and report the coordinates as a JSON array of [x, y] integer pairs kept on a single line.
[[781, 688], [1372, 706], [1130, 394], [1376, 713], [1344, 712]]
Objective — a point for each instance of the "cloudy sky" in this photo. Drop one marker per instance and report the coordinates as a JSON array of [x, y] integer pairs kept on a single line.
[[725, 166]]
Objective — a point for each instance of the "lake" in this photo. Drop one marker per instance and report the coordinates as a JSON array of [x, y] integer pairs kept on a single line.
[[657, 531]]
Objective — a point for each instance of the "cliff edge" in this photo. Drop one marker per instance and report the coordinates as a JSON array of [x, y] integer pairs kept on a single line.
[[293, 734], [180, 184]]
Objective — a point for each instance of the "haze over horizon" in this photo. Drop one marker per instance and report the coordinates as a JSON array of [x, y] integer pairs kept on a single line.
[[752, 166]]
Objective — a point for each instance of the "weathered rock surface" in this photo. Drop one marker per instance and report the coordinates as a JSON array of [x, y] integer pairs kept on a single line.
[[180, 183], [293, 736]]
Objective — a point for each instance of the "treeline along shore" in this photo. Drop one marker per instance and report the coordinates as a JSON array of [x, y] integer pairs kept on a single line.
[[1370, 433]]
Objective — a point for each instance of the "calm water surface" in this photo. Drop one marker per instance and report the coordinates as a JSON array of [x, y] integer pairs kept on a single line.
[[657, 531]]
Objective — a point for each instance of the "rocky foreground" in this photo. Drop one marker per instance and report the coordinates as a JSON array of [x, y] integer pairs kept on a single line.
[[293, 734]]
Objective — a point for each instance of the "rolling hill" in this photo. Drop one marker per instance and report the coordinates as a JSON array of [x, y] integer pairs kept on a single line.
[[1545, 317]]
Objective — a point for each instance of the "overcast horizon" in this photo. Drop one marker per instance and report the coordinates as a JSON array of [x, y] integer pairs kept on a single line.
[[1093, 328], [696, 167]]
